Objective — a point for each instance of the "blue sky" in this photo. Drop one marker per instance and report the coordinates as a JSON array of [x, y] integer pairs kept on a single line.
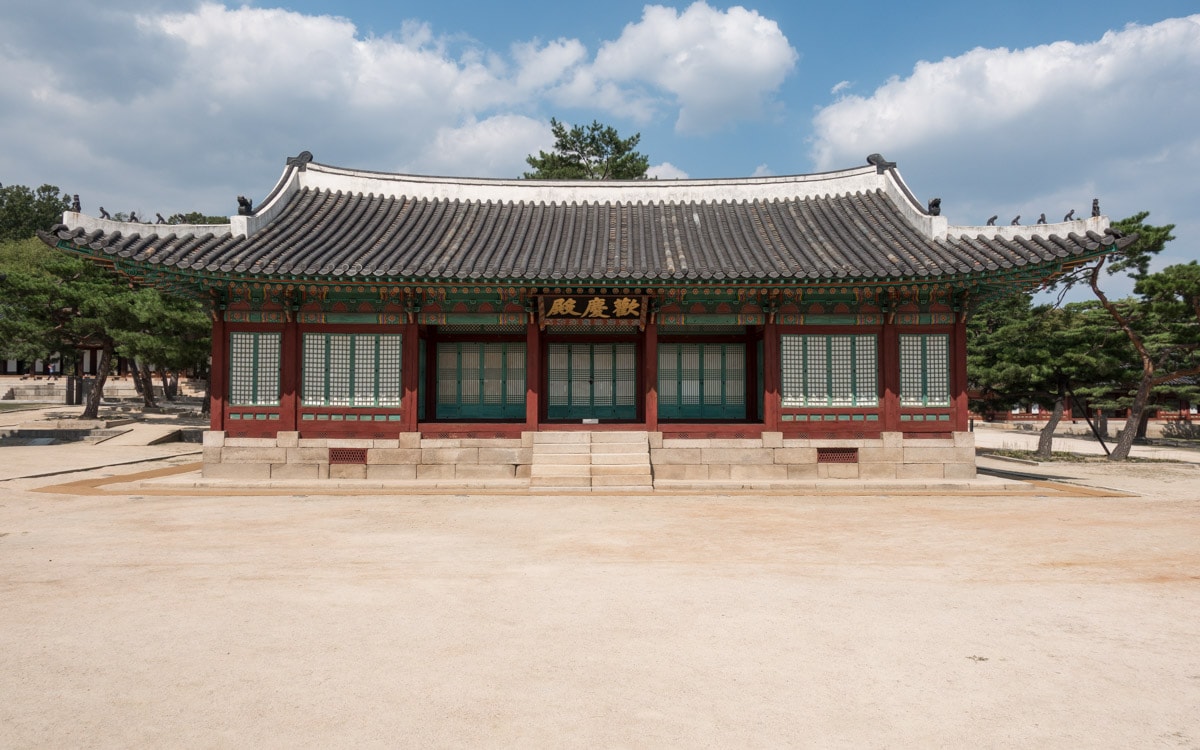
[[1013, 108]]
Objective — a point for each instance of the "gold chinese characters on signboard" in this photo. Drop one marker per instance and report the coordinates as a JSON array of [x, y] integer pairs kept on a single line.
[[592, 307]]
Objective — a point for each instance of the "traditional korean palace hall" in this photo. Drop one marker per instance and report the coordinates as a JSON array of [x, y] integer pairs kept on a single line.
[[588, 335]]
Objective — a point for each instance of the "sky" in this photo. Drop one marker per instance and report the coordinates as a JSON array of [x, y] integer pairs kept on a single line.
[[1019, 108]]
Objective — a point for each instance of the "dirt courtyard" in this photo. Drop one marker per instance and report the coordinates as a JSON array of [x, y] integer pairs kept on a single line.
[[1054, 618]]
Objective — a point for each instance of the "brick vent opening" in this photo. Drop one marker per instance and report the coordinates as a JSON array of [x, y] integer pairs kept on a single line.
[[347, 455], [837, 455]]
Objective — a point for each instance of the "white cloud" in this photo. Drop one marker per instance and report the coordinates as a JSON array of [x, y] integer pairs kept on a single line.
[[494, 147], [189, 103], [1042, 129], [666, 171], [717, 66], [762, 170], [839, 87]]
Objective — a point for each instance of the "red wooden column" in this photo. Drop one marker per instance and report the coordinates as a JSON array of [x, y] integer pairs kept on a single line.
[[774, 370], [289, 377], [889, 367], [218, 372], [533, 374], [958, 375], [650, 373], [410, 376]]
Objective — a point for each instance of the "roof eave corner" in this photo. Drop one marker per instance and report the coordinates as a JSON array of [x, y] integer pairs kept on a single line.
[[287, 186], [933, 227]]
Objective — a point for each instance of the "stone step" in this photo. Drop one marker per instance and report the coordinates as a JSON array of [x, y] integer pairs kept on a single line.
[[559, 438], [560, 449], [623, 482], [560, 470], [561, 482], [623, 436], [622, 459], [621, 470], [641, 447]]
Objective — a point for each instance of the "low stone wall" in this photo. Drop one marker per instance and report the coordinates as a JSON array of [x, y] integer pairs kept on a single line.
[[766, 460], [773, 458]]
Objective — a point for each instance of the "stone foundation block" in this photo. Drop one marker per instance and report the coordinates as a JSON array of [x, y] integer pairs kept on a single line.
[[759, 472], [449, 455], [435, 471], [946, 455], [564, 483], [236, 471], [347, 471], [892, 439], [250, 442], [294, 471], [795, 455], [408, 440], [920, 471], [837, 471], [681, 471], [880, 455], [348, 443], [676, 456], [385, 444], [441, 443], [491, 442], [239, 455], [307, 455], [287, 440], [391, 471], [718, 471], [655, 439], [485, 471], [211, 455], [964, 440], [959, 471], [498, 455], [214, 438], [738, 455], [772, 439], [803, 471], [878, 470], [394, 456], [522, 471], [798, 443]]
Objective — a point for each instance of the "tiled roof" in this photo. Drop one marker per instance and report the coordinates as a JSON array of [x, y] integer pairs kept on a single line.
[[322, 222]]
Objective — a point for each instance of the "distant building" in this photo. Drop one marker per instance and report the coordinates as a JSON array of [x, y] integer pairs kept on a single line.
[[588, 334]]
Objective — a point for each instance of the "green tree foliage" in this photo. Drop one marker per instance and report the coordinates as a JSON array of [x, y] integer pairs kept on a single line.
[[170, 333], [24, 211], [1019, 353], [594, 152], [1161, 323]]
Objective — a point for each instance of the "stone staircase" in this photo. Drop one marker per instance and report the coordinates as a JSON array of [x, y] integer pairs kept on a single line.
[[590, 461]]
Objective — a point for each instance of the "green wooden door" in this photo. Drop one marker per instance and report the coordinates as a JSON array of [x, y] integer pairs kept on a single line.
[[701, 381], [592, 381]]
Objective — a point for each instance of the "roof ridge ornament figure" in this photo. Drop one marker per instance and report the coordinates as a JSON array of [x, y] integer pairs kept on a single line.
[[1041, 219], [1070, 215], [935, 206], [1016, 221], [104, 214], [75, 204], [245, 206], [881, 164], [992, 221], [133, 218], [160, 220], [1095, 207]]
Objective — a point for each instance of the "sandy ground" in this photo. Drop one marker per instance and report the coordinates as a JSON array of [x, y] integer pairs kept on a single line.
[[1062, 617]]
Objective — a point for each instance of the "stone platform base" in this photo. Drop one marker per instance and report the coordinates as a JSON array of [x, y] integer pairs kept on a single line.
[[590, 461]]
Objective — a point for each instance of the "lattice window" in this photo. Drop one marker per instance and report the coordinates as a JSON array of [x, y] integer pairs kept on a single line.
[[925, 369], [592, 381], [355, 370], [701, 381], [254, 369], [829, 371], [478, 380]]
